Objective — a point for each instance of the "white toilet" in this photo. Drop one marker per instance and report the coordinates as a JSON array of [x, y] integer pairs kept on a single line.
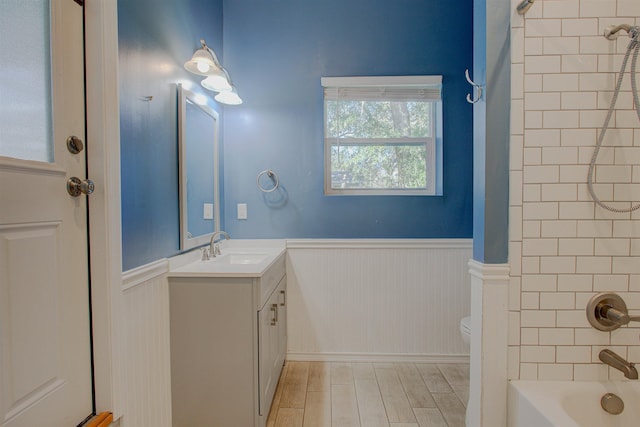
[[465, 329]]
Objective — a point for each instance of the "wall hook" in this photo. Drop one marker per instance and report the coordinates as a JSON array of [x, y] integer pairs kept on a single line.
[[477, 87]]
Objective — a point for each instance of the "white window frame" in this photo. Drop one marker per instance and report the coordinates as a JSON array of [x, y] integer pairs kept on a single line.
[[410, 88]]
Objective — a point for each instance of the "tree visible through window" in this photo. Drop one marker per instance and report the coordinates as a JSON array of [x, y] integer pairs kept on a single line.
[[381, 141]]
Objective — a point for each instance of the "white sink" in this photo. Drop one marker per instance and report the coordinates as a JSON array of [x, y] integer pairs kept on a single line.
[[239, 258]]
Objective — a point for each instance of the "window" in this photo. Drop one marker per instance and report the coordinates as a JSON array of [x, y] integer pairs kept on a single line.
[[382, 135], [26, 110]]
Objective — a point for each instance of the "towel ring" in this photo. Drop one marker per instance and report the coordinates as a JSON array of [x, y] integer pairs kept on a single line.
[[476, 86], [271, 174]]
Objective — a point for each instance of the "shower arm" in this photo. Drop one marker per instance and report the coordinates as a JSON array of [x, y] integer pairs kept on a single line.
[[611, 32], [524, 6]]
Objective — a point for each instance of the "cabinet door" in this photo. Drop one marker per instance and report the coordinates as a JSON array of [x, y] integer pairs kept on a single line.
[[267, 351], [282, 327]]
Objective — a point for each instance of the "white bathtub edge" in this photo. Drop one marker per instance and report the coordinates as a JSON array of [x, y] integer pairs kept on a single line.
[[526, 397], [570, 403]]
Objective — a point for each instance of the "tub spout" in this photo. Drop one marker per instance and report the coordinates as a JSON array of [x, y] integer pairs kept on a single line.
[[610, 358]]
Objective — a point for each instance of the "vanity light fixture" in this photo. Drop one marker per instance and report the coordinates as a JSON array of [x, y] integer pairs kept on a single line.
[[204, 62], [229, 97], [217, 83]]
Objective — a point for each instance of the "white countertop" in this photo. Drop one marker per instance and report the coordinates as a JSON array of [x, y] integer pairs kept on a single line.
[[238, 258]]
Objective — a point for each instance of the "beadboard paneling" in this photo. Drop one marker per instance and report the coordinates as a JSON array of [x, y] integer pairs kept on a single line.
[[348, 300], [377, 299], [147, 365]]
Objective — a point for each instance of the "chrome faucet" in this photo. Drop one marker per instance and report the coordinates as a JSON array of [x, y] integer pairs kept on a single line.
[[610, 358], [214, 249]]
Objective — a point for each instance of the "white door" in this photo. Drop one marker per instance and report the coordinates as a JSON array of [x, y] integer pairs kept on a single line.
[[45, 346]]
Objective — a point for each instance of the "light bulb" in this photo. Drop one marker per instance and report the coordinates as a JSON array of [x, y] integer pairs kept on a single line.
[[202, 66], [229, 97], [216, 83]]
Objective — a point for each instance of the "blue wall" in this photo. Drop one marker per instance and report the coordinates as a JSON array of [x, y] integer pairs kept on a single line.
[[156, 37], [492, 67], [277, 51]]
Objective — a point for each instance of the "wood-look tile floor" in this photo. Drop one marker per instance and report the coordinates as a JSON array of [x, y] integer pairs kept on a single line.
[[330, 394]]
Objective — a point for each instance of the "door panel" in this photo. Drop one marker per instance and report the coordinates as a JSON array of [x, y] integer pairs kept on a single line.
[[45, 346], [30, 295]]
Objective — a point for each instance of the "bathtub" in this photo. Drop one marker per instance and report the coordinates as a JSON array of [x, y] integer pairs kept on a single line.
[[571, 404]]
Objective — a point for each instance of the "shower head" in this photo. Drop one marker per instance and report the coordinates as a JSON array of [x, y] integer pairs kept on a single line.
[[524, 6]]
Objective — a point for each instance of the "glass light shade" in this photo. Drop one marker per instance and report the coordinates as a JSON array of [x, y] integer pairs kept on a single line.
[[217, 82], [201, 63], [229, 97], [202, 66]]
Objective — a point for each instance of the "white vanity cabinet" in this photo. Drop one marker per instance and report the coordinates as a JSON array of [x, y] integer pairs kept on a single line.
[[228, 344], [272, 342]]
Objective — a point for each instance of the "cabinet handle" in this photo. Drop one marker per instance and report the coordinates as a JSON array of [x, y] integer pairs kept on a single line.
[[274, 320], [284, 298]]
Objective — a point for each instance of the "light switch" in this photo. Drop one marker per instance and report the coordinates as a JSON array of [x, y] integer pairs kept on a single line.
[[242, 211], [208, 211]]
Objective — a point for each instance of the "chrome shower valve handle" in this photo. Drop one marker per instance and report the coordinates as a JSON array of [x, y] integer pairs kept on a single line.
[[607, 311], [617, 316]]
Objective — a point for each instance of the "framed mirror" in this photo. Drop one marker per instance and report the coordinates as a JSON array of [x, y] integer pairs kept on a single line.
[[199, 180]]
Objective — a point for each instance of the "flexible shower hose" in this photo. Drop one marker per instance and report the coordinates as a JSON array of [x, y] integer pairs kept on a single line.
[[634, 46]]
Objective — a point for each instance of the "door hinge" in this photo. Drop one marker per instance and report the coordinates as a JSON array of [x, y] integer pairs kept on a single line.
[[80, 2]]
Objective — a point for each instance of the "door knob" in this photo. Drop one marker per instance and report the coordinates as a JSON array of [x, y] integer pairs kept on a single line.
[[76, 186]]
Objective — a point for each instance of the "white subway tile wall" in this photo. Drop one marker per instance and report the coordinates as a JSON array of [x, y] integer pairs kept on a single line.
[[563, 248]]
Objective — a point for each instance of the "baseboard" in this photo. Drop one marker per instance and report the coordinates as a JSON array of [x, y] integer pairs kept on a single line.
[[372, 357]]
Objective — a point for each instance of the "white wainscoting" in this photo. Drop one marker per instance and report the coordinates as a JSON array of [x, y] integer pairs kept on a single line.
[[358, 300], [377, 300], [487, 404], [146, 361]]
